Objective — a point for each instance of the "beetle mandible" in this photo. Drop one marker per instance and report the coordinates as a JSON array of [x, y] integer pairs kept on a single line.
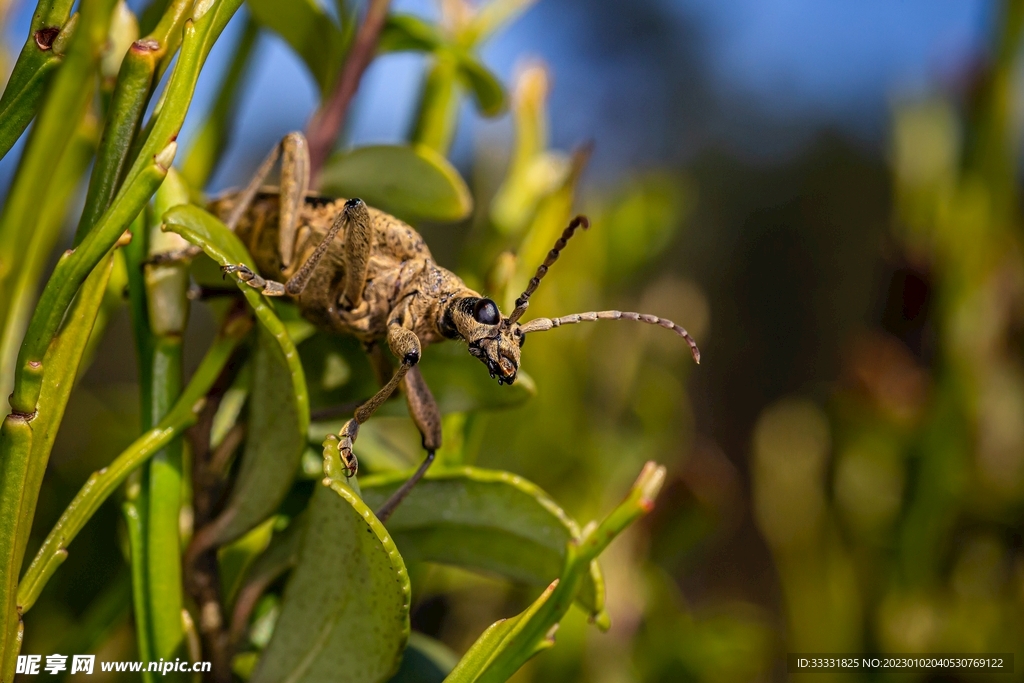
[[355, 270]]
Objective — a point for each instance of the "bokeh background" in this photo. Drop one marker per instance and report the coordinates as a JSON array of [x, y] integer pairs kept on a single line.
[[826, 194]]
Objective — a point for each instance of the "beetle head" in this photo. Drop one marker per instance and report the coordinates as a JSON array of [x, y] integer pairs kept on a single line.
[[478, 321]]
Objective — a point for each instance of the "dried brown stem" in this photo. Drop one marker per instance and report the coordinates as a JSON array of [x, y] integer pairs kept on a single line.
[[325, 126], [201, 575]]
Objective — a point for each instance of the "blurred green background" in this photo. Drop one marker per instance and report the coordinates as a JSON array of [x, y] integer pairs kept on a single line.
[[828, 199]]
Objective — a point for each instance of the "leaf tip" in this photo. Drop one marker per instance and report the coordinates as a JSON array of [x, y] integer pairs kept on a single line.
[[649, 483]]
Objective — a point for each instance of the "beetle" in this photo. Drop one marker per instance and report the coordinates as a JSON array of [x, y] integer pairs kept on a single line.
[[353, 269]]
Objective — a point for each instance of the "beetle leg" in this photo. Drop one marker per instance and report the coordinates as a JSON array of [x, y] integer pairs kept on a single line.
[[294, 185], [356, 220], [358, 243], [406, 346], [425, 413], [246, 275], [243, 200]]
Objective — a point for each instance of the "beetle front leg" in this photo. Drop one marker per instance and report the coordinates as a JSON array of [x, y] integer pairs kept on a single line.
[[404, 344], [245, 274]]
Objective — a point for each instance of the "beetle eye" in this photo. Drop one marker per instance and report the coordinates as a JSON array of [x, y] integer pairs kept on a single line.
[[486, 311]]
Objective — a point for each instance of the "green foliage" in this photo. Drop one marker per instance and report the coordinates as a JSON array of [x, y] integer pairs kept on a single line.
[[414, 183], [489, 521], [288, 577], [357, 623]]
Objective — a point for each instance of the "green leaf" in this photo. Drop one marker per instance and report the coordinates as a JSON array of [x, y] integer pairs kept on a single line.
[[425, 660], [309, 31], [279, 402], [508, 644], [411, 182], [345, 613], [484, 520], [487, 90], [205, 231], [407, 32], [275, 442]]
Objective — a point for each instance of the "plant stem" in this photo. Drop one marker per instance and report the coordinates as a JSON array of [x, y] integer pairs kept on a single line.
[[104, 482], [21, 230], [25, 443], [39, 57], [159, 327], [208, 146], [132, 92], [326, 123]]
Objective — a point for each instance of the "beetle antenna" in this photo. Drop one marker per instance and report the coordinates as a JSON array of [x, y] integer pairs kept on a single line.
[[544, 324], [524, 299]]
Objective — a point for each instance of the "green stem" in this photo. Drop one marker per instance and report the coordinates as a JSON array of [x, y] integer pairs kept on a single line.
[[25, 443], [105, 481], [41, 55], [135, 524], [142, 179], [159, 329], [21, 230], [163, 538], [135, 82], [213, 137]]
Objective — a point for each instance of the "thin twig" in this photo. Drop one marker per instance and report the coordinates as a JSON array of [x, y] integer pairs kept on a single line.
[[325, 126], [201, 575]]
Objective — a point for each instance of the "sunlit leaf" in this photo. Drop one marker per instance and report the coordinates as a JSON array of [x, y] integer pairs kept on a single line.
[[485, 520], [345, 613], [409, 182], [508, 644], [309, 31]]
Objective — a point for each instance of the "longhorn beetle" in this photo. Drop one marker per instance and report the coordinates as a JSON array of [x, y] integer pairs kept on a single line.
[[355, 270]]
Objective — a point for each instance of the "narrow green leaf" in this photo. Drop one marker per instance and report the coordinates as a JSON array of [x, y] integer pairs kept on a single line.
[[407, 32], [507, 645], [308, 29], [345, 613], [492, 17], [439, 106], [485, 520], [410, 182], [204, 230], [25, 448], [42, 53], [487, 90], [212, 138]]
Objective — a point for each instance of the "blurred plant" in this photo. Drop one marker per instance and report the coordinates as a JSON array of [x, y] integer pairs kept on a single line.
[[894, 519], [246, 549]]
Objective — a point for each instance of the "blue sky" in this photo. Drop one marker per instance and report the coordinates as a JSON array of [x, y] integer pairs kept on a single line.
[[810, 61]]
